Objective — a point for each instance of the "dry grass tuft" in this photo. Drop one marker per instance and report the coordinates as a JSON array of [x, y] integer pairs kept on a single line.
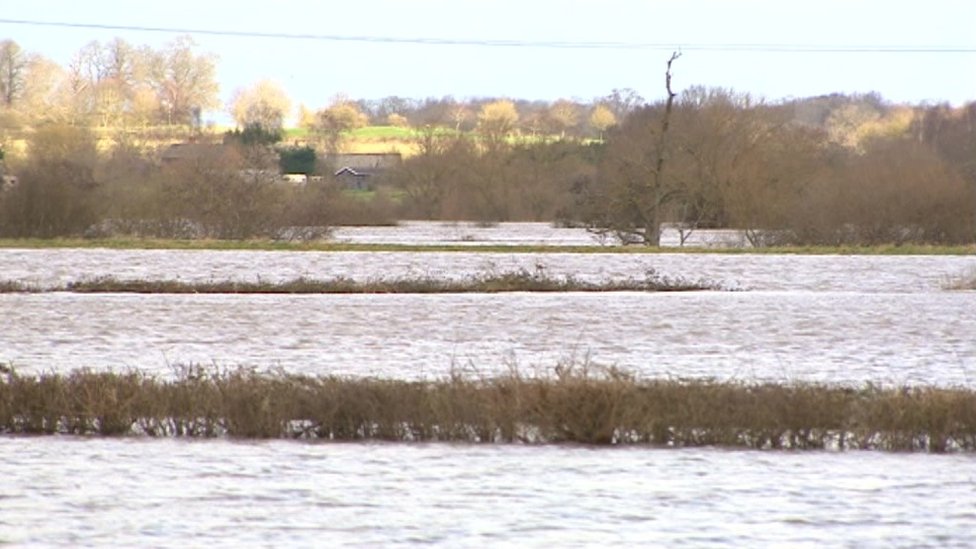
[[571, 405], [963, 282]]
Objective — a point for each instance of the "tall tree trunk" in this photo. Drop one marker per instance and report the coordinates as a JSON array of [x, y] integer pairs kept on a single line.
[[652, 232]]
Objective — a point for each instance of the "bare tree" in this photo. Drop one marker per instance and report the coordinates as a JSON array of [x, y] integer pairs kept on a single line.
[[762, 166], [225, 192], [720, 147], [562, 116], [41, 98], [185, 82], [460, 114], [659, 185], [13, 63], [110, 85], [429, 178], [952, 132], [633, 190], [381, 109], [895, 191], [432, 111], [85, 74], [622, 102]]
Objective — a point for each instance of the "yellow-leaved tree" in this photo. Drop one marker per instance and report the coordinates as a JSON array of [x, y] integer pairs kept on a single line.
[[496, 121], [264, 105], [340, 117], [602, 119]]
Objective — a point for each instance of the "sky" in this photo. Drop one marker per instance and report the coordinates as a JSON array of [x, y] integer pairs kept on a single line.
[[542, 49]]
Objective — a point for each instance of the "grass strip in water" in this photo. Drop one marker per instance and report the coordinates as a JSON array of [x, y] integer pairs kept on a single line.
[[516, 281], [121, 243], [569, 405]]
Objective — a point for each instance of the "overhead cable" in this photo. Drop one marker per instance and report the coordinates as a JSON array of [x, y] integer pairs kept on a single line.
[[544, 44]]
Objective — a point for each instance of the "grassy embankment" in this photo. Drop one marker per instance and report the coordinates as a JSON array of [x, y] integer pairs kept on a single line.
[[368, 139], [572, 405], [515, 281]]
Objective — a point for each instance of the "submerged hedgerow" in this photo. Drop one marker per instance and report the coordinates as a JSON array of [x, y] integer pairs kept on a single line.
[[570, 405], [515, 281]]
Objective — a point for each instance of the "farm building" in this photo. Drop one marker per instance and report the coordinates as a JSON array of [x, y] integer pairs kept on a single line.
[[183, 154], [358, 171]]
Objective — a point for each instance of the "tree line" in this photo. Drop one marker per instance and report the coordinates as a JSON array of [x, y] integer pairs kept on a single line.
[[893, 175], [830, 170], [111, 84], [834, 170], [117, 84]]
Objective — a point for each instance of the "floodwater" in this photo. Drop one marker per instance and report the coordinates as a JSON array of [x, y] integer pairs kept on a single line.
[[840, 337], [834, 319], [171, 493], [756, 272], [473, 234]]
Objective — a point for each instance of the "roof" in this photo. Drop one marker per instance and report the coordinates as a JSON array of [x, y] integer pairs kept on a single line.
[[346, 170]]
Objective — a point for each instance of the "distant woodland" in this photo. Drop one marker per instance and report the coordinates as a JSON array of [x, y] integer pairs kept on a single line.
[[86, 150]]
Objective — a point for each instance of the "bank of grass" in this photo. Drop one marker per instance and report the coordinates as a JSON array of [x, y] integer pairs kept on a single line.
[[383, 132], [368, 139], [365, 132], [125, 243], [570, 405], [514, 281], [405, 139]]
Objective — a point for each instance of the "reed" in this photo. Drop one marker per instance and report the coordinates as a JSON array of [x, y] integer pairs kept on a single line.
[[515, 281], [569, 405]]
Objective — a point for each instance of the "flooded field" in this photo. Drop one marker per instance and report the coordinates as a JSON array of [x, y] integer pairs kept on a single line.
[[835, 319], [165, 493], [838, 337], [473, 234], [841, 319]]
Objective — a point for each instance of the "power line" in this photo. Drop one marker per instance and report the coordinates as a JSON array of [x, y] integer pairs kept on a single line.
[[550, 44]]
